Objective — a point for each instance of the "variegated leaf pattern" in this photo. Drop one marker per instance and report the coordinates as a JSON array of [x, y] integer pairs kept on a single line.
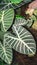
[[23, 42], [22, 21], [13, 4], [30, 22], [7, 17], [6, 53]]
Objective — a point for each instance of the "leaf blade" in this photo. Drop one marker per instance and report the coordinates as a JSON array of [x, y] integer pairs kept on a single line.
[[23, 42], [7, 19], [6, 53]]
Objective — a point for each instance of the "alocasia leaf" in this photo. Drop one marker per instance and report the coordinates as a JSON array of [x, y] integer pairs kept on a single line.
[[15, 3], [6, 19], [19, 20], [6, 53], [22, 21], [23, 41]]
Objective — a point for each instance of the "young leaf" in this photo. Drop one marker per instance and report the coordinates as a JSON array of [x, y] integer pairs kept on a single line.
[[22, 21], [6, 53], [23, 42], [7, 17]]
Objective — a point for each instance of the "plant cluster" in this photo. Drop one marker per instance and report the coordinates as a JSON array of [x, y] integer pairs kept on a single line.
[[13, 31]]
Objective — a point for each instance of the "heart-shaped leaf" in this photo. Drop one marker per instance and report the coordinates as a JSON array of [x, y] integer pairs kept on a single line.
[[22, 41], [6, 53], [6, 19]]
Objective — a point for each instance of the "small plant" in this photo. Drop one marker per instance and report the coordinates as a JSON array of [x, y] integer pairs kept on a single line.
[[13, 31]]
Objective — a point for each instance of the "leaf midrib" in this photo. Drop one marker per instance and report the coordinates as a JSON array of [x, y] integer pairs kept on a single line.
[[3, 20], [4, 50], [21, 39]]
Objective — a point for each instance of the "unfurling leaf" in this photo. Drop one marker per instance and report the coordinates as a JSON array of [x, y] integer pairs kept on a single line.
[[23, 41], [6, 19]]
